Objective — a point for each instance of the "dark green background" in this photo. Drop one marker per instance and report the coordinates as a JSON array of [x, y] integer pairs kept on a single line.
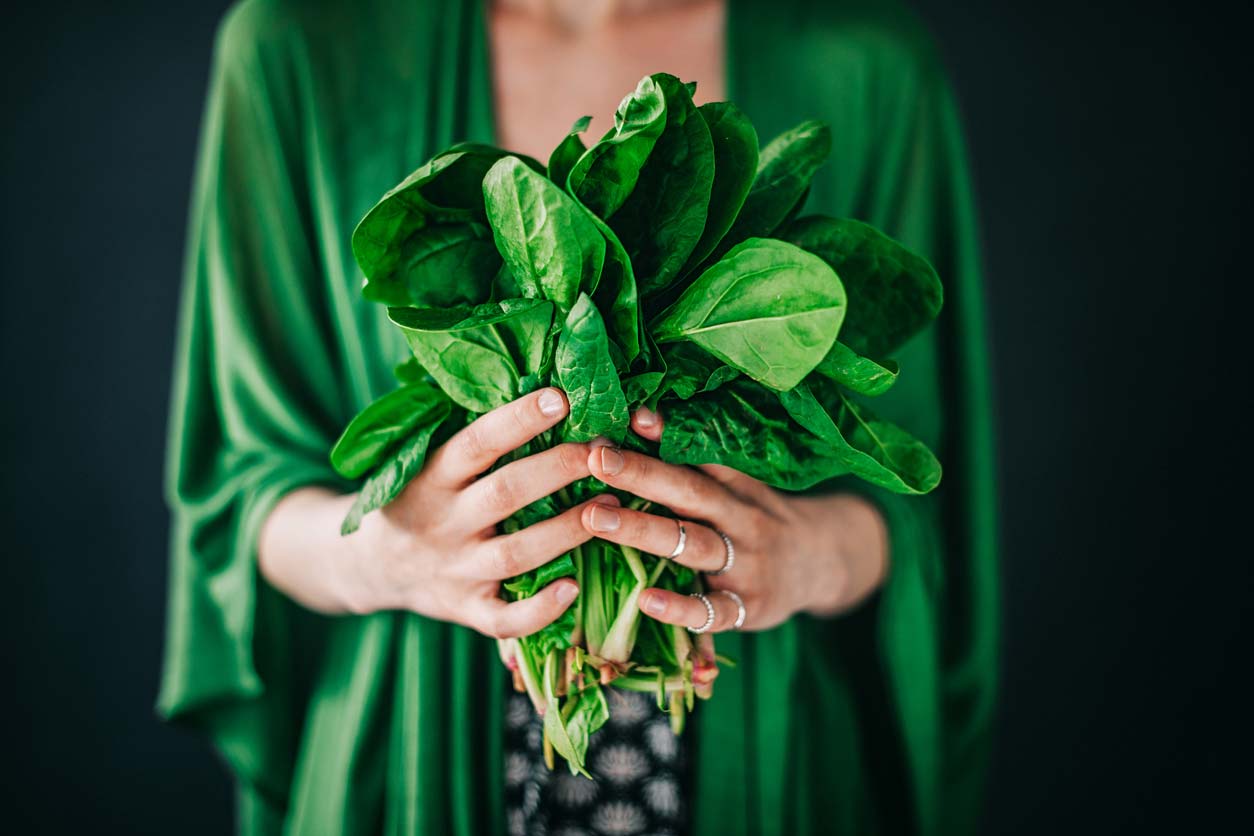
[[1113, 169]]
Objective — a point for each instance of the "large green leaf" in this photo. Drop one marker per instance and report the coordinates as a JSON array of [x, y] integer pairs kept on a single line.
[[616, 296], [397, 469], [785, 168], [441, 264], [877, 451], [604, 177], [585, 371], [767, 308], [480, 356], [552, 247], [735, 145], [893, 293], [446, 190], [742, 425], [382, 426], [662, 219]]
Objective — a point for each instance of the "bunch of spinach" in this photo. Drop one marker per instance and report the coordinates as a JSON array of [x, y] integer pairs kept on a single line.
[[666, 266]]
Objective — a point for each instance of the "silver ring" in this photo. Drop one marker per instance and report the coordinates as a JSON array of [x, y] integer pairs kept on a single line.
[[740, 608], [683, 542], [709, 614], [731, 556]]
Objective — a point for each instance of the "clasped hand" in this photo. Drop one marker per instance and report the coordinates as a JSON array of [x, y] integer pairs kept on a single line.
[[436, 549]]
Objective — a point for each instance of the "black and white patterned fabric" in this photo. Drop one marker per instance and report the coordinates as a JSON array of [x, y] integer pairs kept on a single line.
[[638, 765]]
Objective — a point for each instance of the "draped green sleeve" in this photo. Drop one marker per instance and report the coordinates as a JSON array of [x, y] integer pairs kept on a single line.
[[255, 405]]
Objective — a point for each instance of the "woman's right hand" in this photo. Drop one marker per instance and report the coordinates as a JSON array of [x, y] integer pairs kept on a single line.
[[435, 550]]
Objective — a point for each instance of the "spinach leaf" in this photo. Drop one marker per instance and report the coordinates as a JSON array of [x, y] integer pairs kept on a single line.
[[568, 152], [605, 176], [691, 371], [588, 714], [662, 219], [616, 295], [894, 292], [382, 426], [767, 308], [551, 245], [479, 356], [743, 425], [445, 190], [526, 585], [785, 168], [439, 265], [410, 370], [861, 374], [586, 373], [398, 469], [877, 451], [735, 144]]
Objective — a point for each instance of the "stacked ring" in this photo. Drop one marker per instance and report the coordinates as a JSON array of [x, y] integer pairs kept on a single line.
[[740, 608], [709, 614], [683, 541], [730, 561]]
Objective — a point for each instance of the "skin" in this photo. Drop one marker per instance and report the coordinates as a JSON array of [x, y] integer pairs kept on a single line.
[[435, 550]]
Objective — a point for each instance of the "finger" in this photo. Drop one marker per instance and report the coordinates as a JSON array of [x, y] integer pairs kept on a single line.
[[686, 610], [703, 550], [647, 424], [476, 447], [520, 483], [502, 620], [513, 554], [741, 484], [685, 491]]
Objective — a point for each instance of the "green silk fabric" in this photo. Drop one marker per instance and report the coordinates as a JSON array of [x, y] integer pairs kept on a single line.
[[877, 722]]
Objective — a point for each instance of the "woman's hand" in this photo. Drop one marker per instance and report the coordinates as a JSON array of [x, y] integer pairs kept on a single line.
[[435, 550], [821, 555]]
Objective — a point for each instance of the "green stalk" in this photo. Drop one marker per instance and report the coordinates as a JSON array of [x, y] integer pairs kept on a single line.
[[530, 675]]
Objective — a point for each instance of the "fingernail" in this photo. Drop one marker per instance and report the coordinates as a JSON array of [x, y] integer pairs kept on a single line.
[[646, 417], [566, 592], [654, 605], [611, 461], [551, 403], [607, 499], [603, 518]]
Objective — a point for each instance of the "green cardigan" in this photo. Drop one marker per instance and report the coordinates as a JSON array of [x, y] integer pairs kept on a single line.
[[874, 723]]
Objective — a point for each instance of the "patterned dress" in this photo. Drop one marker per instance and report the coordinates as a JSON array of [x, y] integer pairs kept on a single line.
[[639, 769]]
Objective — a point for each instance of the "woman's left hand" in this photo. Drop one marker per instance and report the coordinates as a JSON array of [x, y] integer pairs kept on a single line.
[[821, 555]]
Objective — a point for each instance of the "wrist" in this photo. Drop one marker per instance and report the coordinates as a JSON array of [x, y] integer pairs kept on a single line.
[[849, 551]]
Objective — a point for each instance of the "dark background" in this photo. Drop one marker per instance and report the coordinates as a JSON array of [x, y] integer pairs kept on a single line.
[[1112, 166]]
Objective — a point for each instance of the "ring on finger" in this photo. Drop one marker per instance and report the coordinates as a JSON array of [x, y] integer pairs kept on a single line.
[[683, 541], [730, 560], [740, 608], [709, 614]]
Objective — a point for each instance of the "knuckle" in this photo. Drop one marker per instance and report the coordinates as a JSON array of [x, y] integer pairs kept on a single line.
[[755, 522], [500, 494], [505, 559], [473, 444], [572, 459], [497, 626], [525, 416]]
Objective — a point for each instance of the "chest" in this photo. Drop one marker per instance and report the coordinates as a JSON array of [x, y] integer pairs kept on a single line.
[[544, 77]]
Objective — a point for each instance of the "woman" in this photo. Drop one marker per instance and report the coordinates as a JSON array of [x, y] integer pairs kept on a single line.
[[348, 681]]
